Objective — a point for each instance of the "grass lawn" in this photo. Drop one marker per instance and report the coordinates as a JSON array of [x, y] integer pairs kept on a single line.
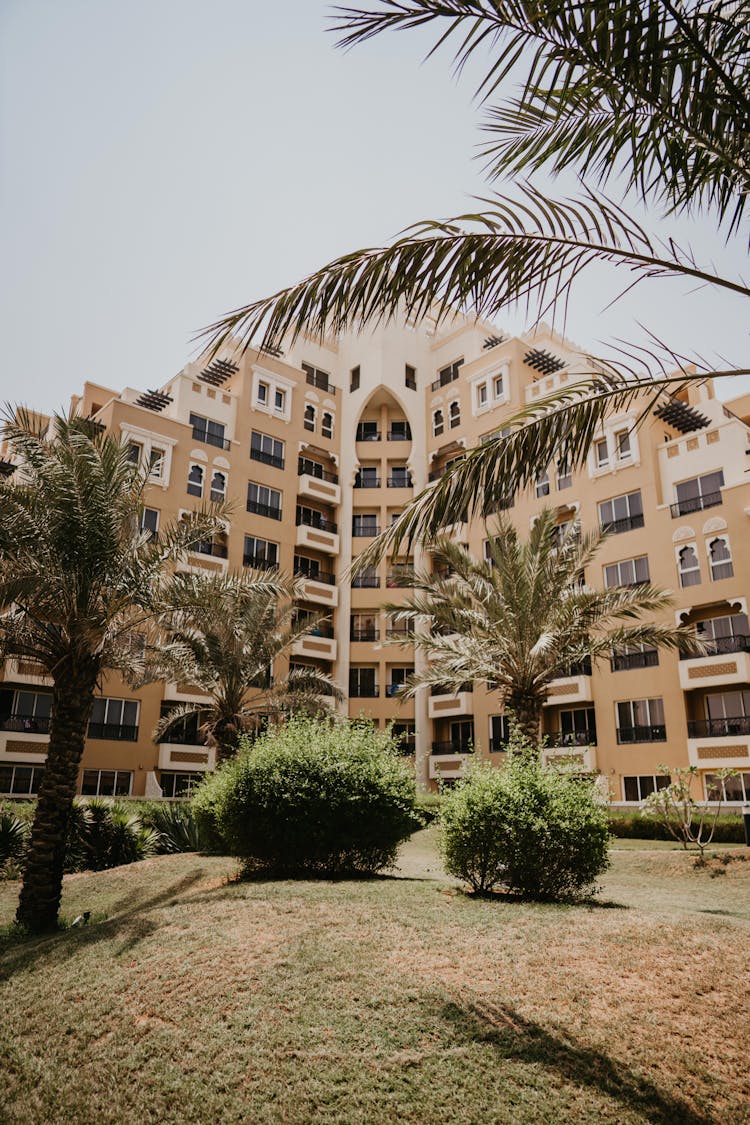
[[194, 999]]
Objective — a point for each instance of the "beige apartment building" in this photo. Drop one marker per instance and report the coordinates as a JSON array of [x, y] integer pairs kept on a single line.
[[320, 446]]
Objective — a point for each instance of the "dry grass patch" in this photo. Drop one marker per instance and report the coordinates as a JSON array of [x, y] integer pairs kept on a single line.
[[200, 1000]]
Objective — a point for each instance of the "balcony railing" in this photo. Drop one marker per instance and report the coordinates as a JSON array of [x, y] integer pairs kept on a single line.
[[719, 728], [266, 458], [365, 582], [627, 523], [367, 482], [310, 518], [365, 531], [440, 689], [268, 510], [451, 747], [656, 733], [393, 689], [303, 571], [720, 646], [578, 668], [364, 691], [210, 439], [217, 550], [695, 504], [572, 738], [321, 381], [367, 435], [400, 482], [176, 737], [400, 634], [321, 629], [364, 633], [29, 724], [399, 435], [400, 579], [116, 732], [260, 562], [305, 467], [407, 743], [625, 661]]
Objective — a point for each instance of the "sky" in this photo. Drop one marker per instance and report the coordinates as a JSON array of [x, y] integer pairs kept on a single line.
[[164, 161]]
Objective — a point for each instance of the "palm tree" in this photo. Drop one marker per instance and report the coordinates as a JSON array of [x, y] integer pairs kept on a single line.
[[523, 617], [650, 95], [79, 581], [223, 635]]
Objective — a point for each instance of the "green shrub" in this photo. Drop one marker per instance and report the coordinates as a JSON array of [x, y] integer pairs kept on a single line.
[[176, 824], [312, 797], [14, 835], [539, 832], [632, 825]]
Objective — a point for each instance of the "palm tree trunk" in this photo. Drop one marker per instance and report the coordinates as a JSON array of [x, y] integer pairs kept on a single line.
[[72, 699], [527, 711]]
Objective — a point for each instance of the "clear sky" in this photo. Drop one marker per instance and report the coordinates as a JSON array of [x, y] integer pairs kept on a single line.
[[162, 161]]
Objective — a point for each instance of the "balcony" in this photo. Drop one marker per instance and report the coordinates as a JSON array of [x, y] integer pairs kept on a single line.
[[266, 458], [452, 746], [186, 757], [216, 550], [113, 732], [217, 440], [267, 510], [365, 582], [570, 689], [570, 759], [178, 736], [400, 482], [318, 587], [626, 661], [316, 484], [628, 523], [259, 562], [695, 504], [565, 739], [364, 433], [715, 744], [316, 645], [316, 531], [446, 705], [26, 724], [728, 662], [321, 381], [365, 633], [628, 735], [719, 728], [367, 482]]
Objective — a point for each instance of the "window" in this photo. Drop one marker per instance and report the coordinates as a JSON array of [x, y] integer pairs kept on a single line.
[[156, 464], [577, 727], [267, 450], [640, 720], [398, 677], [114, 719], [366, 579], [354, 379], [621, 513], [698, 493], [310, 568], [448, 374], [150, 521], [720, 559], [364, 525], [317, 378], [399, 477], [481, 394], [405, 734], [195, 481], [728, 633], [438, 423], [262, 393], [30, 712], [499, 733], [634, 656], [542, 484], [21, 781], [601, 453], [367, 477], [312, 517], [178, 784], [364, 627], [688, 566], [368, 431], [399, 430], [264, 501], [218, 486], [279, 401], [628, 572], [362, 683], [640, 787], [462, 734], [410, 377], [326, 426], [134, 452], [727, 713], [106, 783], [498, 386], [728, 789], [310, 417], [260, 553], [623, 447], [454, 413], [208, 431], [564, 475]]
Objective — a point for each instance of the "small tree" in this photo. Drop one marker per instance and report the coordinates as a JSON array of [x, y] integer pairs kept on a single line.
[[687, 820]]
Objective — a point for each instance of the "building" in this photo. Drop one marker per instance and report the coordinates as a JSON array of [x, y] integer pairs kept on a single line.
[[320, 446]]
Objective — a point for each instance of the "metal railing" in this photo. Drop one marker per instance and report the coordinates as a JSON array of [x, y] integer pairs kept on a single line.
[[655, 733], [29, 724], [303, 571], [572, 738], [719, 728], [266, 458], [306, 467], [439, 689], [695, 504], [624, 661], [365, 582], [364, 691], [365, 633], [451, 747], [627, 523], [399, 435], [269, 510], [720, 646], [116, 732], [367, 482], [400, 482], [367, 435], [365, 531], [308, 517], [210, 439], [321, 381], [217, 550], [260, 562]]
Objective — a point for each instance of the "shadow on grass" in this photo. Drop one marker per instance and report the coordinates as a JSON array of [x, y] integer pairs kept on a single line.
[[522, 1040], [130, 919]]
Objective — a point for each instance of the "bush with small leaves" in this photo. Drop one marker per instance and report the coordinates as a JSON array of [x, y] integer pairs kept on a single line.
[[312, 797], [540, 832]]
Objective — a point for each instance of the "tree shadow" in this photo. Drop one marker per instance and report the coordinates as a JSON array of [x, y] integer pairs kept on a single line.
[[130, 918], [518, 1039]]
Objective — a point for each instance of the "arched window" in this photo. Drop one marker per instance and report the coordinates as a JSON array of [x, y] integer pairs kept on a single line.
[[689, 567], [326, 426], [195, 481], [720, 558], [310, 417], [218, 486], [455, 413], [438, 423]]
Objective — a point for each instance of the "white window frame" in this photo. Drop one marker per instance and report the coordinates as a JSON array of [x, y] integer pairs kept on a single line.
[[276, 384], [722, 562], [620, 563], [114, 792], [438, 428], [653, 776], [454, 414], [327, 427], [681, 573], [216, 495], [310, 423], [202, 470]]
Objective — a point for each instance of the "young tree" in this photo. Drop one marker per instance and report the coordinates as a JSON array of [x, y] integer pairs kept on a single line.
[[651, 96], [522, 617], [78, 579], [223, 637]]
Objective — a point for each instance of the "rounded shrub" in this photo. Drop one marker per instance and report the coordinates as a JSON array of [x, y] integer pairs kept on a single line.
[[539, 832], [312, 797]]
